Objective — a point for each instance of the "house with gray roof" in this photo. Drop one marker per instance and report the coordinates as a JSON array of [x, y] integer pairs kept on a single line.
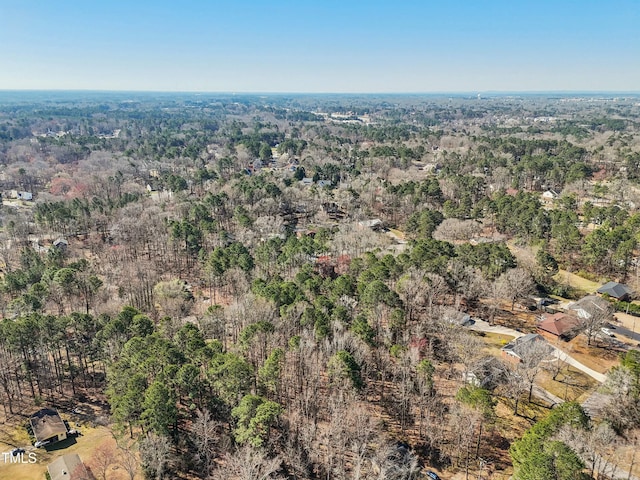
[[591, 305], [518, 346], [616, 290]]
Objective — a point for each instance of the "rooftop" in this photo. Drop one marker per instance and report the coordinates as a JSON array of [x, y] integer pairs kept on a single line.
[[615, 289], [590, 305], [68, 467], [515, 346], [47, 423], [373, 223], [559, 324]]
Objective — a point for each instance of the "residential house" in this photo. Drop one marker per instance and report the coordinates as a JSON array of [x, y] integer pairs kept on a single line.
[[616, 290], [68, 467], [516, 348], [488, 373], [374, 224], [587, 306], [21, 195], [48, 426], [456, 317], [559, 325], [550, 195]]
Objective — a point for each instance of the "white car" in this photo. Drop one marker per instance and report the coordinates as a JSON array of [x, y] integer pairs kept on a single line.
[[607, 332]]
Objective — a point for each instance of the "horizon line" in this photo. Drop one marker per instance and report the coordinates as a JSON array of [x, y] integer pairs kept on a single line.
[[273, 93]]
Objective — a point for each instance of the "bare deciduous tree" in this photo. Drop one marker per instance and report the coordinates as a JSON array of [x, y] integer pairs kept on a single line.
[[129, 461], [515, 283], [596, 446], [467, 348], [103, 457], [516, 385], [248, 464], [412, 290], [155, 453], [453, 229], [207, 436], [593, 312], [533, 356], [394, 462], [173, 297]]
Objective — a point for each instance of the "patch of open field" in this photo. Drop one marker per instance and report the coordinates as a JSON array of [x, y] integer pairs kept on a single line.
[[495, 341], [576, 281], [397, 233], [597, 356], [570, 384]]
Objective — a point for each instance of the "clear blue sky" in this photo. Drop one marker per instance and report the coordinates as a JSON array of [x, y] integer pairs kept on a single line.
[[321, 45]]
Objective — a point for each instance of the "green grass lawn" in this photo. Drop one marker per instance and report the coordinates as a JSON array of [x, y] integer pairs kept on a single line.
[[495, 341], [576, 281], [570, 384]]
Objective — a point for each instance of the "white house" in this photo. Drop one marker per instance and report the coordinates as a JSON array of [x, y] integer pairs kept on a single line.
[[550, 195]]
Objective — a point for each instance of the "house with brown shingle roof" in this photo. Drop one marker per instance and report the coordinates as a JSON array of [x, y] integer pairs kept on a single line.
[[48, 426], [559, 325]]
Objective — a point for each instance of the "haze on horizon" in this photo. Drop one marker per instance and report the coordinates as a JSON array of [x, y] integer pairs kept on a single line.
[[321, 47]]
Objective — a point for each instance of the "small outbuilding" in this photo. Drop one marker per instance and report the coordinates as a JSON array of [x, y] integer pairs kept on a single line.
[[21, 195], [61, 244]]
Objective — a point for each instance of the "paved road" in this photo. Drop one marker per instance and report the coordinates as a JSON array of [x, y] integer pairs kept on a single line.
[[482, 326], [620, 330]]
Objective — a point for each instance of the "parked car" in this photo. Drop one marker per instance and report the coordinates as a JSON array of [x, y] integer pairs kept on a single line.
[[607, 332], [17, 451], [467, 321], [432, 475]]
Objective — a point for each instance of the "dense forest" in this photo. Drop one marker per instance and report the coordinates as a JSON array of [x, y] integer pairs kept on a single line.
[[253, 287]]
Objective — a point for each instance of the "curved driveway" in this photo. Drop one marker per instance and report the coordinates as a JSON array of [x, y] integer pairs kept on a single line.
[[482, 326]]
